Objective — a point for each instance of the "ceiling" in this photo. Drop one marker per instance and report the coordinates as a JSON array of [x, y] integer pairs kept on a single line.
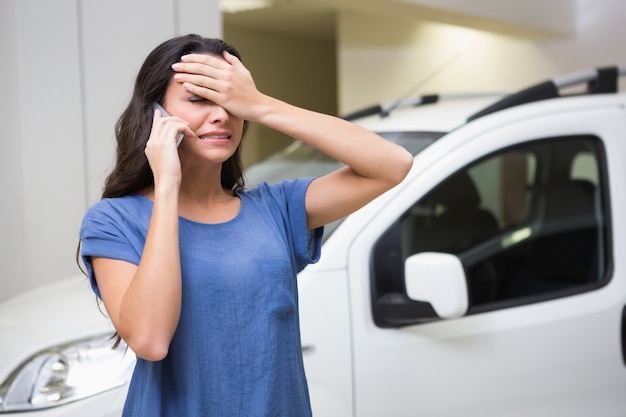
[[292, 18], [316, 18]]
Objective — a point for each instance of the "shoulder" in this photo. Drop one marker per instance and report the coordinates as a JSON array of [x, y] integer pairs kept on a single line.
[[121, 210], [281, 191], [119, 204]]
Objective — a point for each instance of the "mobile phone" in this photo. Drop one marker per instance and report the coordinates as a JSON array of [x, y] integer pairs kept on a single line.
[[155, 106]]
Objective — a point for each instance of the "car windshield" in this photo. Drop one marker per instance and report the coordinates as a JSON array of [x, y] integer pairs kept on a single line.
[[301, 160]]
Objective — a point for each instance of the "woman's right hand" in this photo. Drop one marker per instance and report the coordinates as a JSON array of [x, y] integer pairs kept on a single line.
[[143, 301], [161, 149]]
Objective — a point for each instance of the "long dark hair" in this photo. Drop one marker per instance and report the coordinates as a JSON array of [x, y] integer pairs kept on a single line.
[[132, 172]]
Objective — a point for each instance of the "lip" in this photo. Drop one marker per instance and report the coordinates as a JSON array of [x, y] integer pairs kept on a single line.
[[215, 137]]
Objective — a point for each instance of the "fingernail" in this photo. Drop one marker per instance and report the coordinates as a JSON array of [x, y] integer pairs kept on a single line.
[[175, 66]]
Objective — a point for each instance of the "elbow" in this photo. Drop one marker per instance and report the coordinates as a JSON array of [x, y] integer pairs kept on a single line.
[[149, 349], [402, 167], [151, 353], [149, 340]]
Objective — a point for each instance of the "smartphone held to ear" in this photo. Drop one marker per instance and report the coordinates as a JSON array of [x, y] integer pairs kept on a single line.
[[156, 106]]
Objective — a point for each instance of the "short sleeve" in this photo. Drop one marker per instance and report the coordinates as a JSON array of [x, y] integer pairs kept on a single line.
[[290, 197], [308, 243], [105, 233]]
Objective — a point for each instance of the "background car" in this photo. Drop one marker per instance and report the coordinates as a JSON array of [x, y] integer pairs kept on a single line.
[[56, 356]]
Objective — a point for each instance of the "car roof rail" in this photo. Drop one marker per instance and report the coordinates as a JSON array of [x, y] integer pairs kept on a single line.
[[598, 81], [384, 109]]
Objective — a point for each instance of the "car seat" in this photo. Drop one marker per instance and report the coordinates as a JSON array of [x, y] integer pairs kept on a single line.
[[461, 224]]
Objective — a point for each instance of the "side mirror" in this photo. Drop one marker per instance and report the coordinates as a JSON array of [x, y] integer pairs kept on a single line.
[[439, 279]]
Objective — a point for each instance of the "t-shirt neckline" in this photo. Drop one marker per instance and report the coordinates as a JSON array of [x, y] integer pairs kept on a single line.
[[194, 222]]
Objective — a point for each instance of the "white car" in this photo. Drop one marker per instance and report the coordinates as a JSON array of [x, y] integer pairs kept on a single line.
[[488, 283], [55, 355]]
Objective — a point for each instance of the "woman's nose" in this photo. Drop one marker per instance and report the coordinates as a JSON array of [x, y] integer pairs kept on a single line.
[[218, 115]]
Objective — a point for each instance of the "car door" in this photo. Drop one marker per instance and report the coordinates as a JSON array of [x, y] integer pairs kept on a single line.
[[530, 202]]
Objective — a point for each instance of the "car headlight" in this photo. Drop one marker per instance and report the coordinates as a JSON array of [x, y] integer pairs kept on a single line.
[[66, 373]]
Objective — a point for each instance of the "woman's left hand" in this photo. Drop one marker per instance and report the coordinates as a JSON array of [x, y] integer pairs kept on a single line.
[[224, 81]]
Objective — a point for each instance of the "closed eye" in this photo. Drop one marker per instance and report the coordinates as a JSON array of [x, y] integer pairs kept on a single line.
[[197, 99]]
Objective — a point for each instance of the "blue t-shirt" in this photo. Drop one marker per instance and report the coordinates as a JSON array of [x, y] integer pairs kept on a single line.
[[236, 350]]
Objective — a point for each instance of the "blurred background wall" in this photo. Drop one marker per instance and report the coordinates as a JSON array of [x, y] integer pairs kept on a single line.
[[68, 68], [67, 71]]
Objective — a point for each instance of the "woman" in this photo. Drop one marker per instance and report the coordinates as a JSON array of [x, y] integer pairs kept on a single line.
[[197, 274]]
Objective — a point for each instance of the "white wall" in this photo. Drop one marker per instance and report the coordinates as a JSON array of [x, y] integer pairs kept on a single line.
[[68, 68], [392, 56], [12, 240]]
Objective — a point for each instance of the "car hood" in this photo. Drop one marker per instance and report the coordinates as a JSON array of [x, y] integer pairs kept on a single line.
[[53, 314]]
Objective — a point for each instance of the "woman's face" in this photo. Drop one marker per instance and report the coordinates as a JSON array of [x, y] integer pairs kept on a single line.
[[217, 132]]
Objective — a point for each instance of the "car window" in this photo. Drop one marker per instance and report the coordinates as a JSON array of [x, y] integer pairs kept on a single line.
[[302, 160], [527, 223]]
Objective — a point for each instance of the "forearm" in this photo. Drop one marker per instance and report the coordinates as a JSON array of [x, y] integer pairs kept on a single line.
[[150, 309], [365, 152]]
